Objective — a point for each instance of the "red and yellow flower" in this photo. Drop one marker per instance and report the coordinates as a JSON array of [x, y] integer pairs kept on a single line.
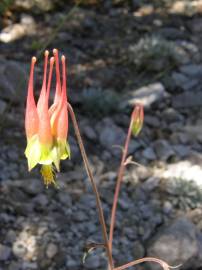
[[47, 127]]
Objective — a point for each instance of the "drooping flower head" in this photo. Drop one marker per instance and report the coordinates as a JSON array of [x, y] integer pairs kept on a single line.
[[47, 128]]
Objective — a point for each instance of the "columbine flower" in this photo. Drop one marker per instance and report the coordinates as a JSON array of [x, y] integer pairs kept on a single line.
[[137, 118], [47, 128]]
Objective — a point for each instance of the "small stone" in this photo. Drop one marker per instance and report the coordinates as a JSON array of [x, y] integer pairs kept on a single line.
[[175, 244], [5, 252], [33, 187], [3, 106], [167, 207], [14, 266], [80, 216], [187, 100], [12, 74], [151, 183], [42, 5], [143, 172], [147, 95], [184, 138], [89, 133], [183, 170], [182, 150], [19, 249], [139, 250], [51, 250], [41, 200], [29, 265], [93, 262], [171, 115], [152, 121], [11, 236], [163, 150], [110, 135], [192, 70], [184, 82], [149, 154]]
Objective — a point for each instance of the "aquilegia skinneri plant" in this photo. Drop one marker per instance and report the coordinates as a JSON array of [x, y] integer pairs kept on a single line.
[[46, 130], [47, 127]]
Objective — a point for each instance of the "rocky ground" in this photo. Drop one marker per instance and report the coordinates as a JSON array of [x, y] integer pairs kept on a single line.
[[118, 53]]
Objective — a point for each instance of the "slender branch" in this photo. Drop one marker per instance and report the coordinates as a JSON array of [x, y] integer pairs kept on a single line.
[[118, 184], [90, 175], [163, 264]]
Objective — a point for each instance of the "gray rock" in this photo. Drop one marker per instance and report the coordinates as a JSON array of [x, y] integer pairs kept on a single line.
[[167, 207], [175, 244], [110, 135], [5, 252], [182, 150], [171, 33], [147, 95], [152, 121], [14, 266], [184, 138], [51, 250], [187, 100], [29, 265], [171, 115], [3, 106], [149, 154], [184, 82], [93, 261], [196, 25], [72, 264], [163, 149], [192, 70], [13, 84], [36, 5], [89, 133], [33, 186], [19, 249], [184, 170], [151, 183]]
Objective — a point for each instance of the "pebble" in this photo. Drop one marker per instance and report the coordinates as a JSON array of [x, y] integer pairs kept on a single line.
[[147, 95], [176, 244], [14, 265], [12, 74], [182, 150], [139, 250], [110, 135], [163, 150], [19, 249], [149, 154], [89, 133], [5, 252], [51, 250], [3, 106]]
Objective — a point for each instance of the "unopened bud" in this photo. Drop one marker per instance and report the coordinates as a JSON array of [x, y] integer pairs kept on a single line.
[[137, 119]]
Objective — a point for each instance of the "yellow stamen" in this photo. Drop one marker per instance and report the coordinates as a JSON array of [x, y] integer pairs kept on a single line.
[[48, 174]]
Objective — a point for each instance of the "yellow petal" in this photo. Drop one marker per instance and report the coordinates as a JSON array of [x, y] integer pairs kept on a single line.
[[46, 157], [64, 149], [33, 152]]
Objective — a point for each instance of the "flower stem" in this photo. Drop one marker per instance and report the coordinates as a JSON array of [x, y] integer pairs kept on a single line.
[[90, 175], [163, 264], [118, 184]]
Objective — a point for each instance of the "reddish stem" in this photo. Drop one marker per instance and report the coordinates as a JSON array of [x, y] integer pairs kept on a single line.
[[118, 183], [90, 175], [163, 264]]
